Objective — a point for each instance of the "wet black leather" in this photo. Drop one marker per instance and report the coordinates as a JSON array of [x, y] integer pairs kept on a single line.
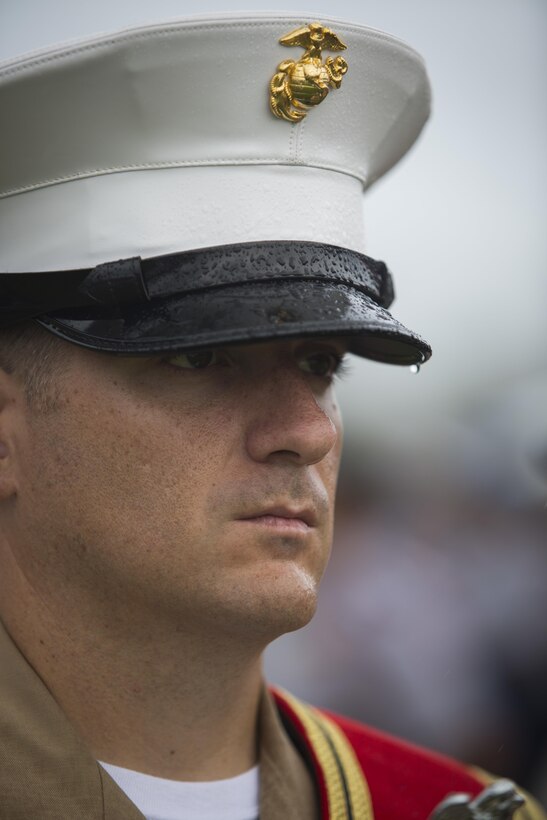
[[135, 280], [229, 294]]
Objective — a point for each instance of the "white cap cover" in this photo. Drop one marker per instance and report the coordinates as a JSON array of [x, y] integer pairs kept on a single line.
[[161, 140]]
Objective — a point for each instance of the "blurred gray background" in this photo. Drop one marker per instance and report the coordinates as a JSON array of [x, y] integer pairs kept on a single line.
[[432, 621]]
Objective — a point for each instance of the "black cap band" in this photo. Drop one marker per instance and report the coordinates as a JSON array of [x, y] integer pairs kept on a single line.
[[135, 280]]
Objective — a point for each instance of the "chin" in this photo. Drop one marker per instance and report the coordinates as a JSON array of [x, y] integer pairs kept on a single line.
[[281, 600]]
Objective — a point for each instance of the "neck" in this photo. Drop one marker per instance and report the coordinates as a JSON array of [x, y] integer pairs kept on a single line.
[[169, 702]]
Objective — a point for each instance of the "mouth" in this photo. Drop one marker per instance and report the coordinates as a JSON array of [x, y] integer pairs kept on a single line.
[[284, 518]]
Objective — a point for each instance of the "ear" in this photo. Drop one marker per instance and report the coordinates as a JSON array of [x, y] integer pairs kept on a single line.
[[11, 402]]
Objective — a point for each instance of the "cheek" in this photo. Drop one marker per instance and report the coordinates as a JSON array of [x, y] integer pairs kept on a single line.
[[331, 463], [133, 467], [122, 496]]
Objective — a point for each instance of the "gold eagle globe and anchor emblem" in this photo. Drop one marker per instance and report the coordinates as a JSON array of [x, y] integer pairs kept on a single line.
[[299, 85]]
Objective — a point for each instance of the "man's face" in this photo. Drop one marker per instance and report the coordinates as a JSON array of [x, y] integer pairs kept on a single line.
[[165, 485]]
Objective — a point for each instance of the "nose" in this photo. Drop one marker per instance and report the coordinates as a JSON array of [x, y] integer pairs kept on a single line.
[[288, 421]]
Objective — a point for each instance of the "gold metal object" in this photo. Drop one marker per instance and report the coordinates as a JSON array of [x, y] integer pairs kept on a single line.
[[499, 801], [298, 86]]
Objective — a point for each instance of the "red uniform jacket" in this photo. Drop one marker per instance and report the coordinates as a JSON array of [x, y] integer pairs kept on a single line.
[[363, 773]]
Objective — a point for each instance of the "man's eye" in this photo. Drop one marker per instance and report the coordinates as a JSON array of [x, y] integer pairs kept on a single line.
[[325, 365], [197, 360]]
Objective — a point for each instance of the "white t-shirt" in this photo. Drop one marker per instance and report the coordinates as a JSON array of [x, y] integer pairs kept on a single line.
[[161, 799]]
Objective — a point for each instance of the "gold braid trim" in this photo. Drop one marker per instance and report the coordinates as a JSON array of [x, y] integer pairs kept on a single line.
[[531, 809], [347, 790]]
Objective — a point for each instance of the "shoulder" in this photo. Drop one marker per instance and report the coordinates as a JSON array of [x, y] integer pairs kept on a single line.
[[410, 781], [405, 780], [402, 779]]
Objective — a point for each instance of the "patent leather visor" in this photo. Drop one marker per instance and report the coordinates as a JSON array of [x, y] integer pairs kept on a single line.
[[210, 297]]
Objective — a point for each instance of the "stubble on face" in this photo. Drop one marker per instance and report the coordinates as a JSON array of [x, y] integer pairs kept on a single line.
[[132, 493]]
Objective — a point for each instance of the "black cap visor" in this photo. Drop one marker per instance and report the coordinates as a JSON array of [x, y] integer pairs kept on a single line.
[[222, 295], [239, 314]]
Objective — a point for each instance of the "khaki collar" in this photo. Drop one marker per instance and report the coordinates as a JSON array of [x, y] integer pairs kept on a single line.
[[46, 771]]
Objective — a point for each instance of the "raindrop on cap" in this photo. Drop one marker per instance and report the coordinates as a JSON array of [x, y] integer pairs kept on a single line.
[[414, 368]]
